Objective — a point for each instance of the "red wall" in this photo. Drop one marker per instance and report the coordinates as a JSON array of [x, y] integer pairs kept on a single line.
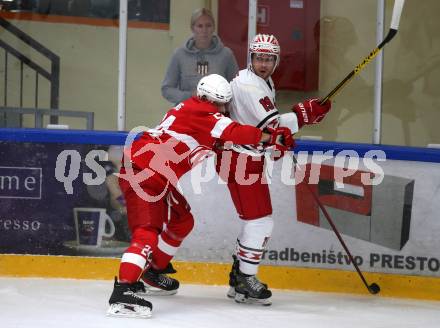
[[293, 22]]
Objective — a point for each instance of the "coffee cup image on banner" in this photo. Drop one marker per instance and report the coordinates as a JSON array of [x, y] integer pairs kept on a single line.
[[380, 214], [94, 230]]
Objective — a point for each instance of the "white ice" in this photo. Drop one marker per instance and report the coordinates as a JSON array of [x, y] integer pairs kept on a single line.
[[46, 303]]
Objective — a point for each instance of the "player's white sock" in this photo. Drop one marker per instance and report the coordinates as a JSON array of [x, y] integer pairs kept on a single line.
[[252, 242]]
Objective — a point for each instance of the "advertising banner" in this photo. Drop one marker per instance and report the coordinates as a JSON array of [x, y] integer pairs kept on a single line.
[[385, 210], [60, 198]]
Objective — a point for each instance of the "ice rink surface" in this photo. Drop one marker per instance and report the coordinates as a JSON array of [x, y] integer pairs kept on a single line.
[[64, 303]]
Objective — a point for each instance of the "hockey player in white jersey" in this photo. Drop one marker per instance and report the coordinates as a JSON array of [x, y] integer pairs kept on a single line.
[[253, 103]]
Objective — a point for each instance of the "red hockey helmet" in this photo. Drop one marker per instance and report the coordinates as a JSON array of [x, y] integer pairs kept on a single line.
[[265, 44]]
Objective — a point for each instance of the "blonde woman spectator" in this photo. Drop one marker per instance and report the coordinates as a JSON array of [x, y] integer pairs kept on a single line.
[[202, 54]]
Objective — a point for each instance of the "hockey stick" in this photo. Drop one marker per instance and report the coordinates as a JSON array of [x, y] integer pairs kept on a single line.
[[397, 11], [373, 288]]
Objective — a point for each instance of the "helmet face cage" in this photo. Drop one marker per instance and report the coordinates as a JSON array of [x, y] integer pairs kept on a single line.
[[265, 44], [214, 88]]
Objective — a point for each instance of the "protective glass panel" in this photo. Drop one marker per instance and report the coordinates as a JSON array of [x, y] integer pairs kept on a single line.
[[347, 36], [411, 98], [320, 45], [321, 42], [60, 55], [149, 47]]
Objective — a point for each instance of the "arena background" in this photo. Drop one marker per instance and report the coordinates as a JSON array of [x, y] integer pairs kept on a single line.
[[88, 47]]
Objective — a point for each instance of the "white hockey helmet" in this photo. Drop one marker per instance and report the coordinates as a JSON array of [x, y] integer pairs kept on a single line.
[[265, 44], [215, 88]]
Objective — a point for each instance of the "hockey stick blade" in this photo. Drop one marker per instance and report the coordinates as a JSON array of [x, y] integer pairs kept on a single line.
[[395, 19], [373, 288]]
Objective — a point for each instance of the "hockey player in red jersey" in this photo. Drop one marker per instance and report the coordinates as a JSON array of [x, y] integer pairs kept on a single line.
[[253, 103], [159, 217]]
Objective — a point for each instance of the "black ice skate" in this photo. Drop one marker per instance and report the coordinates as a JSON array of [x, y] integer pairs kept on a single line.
[[233, 277], [125, 301], [249, 289], [156, 282]]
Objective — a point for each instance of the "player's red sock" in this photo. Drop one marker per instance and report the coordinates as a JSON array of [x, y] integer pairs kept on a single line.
[[138, 255]]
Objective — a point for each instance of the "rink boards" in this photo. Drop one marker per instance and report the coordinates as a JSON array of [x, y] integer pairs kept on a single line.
[[279, 277], [384, 200]]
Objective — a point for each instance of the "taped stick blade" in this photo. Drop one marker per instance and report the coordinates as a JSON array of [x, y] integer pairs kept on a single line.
[[397, 12]]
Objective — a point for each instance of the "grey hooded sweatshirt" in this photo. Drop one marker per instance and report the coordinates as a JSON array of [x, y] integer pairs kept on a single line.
[[189, 64]]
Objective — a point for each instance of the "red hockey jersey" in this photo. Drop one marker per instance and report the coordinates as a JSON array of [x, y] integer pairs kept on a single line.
[[186, 136]]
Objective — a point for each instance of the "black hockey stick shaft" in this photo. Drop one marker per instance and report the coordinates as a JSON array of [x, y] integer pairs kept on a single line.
[[373, 288], [397, 11]]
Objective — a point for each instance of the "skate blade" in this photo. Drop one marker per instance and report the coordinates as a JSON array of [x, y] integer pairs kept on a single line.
[[241, 298], [129, 311], [154, 291], [231, 292]]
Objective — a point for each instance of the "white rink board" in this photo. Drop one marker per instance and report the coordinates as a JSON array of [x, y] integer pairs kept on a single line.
[[217, 226]]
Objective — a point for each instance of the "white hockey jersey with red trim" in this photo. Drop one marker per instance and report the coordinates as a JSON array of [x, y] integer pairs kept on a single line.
[[253, 103], [185, 136], [253, 100]]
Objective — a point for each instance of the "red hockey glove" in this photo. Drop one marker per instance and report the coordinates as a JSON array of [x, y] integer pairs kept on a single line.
[[281, 138], [311, 111]]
